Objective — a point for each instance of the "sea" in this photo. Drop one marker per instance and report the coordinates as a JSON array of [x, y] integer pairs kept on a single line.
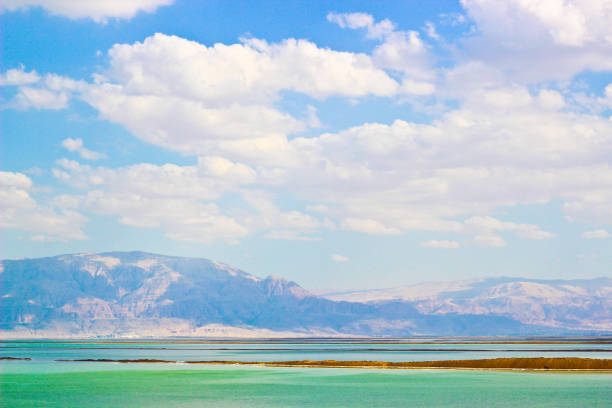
[[43, 381]]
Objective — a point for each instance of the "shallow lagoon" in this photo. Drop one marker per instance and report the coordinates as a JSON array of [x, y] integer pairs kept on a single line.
[[303, 387], [284, 351], [44, 382]]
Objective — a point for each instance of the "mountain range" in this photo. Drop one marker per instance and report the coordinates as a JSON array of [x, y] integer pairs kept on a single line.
[[137, 294]]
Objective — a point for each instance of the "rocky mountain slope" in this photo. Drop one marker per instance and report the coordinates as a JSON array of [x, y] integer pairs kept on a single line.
[[141, 294], [571, 304]]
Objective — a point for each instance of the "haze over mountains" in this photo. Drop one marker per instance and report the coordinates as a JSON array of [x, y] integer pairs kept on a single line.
[[142, 294]]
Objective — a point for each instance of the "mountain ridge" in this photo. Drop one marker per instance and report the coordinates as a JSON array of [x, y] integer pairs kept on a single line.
[[475, 296], [144, 294]]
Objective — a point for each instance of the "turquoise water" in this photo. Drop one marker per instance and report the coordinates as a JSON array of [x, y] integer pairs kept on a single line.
[[44, 382], [300, 387], [178, 351]]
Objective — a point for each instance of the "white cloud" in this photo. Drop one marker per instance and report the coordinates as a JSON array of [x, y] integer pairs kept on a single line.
[[597, 234], [531, 40], [417, 87], [18, 76], [181, 200], [51, 92], [440, 244], [402, 51], [220, 100], [490, 240], [363, 20], [253, 132], [99, 11], [19, 211], [39, 98], [503, 144], [431, 30], [368, 226], [568, 22], [290, 235], [502, 147], [252, 71], [289, 225], [76, 145], [339, 258], [490, 224]]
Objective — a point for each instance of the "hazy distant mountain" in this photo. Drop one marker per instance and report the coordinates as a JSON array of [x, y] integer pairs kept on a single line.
[[571, 304], [141, 294]]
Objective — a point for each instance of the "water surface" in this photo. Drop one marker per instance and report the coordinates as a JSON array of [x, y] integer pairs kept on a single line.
[[46, 382]]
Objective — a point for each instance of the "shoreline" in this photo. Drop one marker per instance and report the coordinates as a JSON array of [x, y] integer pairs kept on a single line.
[[572, 364], [589, 341], [371, 349]]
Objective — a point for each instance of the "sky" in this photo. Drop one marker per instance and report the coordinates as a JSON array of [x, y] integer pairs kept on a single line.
[[340, 144]]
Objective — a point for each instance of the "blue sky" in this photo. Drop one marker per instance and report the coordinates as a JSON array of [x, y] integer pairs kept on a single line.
[[339, 144]]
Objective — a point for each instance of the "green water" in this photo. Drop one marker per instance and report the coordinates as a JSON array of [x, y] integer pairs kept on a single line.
[[45, 382], [302, 387]]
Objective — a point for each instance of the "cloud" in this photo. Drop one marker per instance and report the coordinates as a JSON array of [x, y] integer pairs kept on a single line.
[[76, 145], [499, 144], [51, 92], [177, 199], [368, 226], [220, 100], [489, 224], [401, 51], [18, 76], [431, 30], [363, 20], [339, 258], [489, 240], [502, 147], [19, 211], [98, 11], [532, 41], [440, 244], [569, 23], [181, 200], [290, 235], [254, 70], [597, 234], [38, 98]]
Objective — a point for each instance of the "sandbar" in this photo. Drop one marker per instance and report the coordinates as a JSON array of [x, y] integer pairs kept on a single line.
[[517, 363]]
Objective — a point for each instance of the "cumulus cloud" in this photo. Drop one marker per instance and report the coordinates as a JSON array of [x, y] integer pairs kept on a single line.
[[378, 30], [34, 92], [596, 234], [502, 147], [20, 211], [502, 143], [181, 200], [253, 70], [339, 258], [401, 51], [99, 11], [38, 98], [440, 244], [18, 76], [220, 100], [530, 40], [76, 146]]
